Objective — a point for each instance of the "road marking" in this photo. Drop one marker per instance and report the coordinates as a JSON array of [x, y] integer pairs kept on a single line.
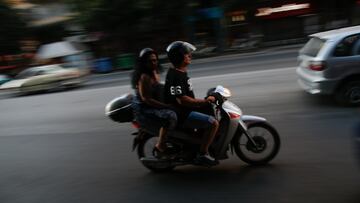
[[127, 87]]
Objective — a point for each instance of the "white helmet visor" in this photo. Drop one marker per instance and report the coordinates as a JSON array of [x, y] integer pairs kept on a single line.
[[188, 46]]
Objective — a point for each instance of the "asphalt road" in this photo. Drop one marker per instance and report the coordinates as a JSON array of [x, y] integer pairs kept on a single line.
[[60, 147]]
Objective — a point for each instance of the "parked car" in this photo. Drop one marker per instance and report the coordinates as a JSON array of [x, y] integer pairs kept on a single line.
[[4, 79], [330, 65], [44, 78]]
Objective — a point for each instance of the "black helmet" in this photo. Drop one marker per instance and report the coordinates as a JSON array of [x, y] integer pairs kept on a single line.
[[176, 51]]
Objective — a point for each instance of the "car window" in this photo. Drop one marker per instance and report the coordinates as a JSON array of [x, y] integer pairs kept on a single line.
[[3, 77], [347, 47], [49, 70], [29, 73], [38, 71], [312, 47], [25, 74], [41, 72], [357, 48]]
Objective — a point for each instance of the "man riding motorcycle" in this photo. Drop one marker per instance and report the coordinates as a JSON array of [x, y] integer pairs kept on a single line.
[[253, 139], [179, 92]]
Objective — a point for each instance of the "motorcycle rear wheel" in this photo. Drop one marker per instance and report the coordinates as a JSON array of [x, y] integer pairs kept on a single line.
[[145, 149], [267, 140]]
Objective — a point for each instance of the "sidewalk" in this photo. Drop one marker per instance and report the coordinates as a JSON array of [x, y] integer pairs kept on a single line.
[[215, 57], [248, 53]]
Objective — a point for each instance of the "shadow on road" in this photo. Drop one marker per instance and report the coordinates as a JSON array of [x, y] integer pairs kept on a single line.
[[226, 183], [319, 100]]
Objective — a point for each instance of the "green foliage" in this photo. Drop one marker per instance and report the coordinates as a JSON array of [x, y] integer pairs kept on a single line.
[[132, 22], [127, 16]]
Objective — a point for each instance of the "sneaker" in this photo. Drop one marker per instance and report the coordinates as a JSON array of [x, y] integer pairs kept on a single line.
[[206, 159]]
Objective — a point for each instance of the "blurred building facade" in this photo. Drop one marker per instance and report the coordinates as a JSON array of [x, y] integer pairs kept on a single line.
[[273, 22], [213, 26], [47, 22]]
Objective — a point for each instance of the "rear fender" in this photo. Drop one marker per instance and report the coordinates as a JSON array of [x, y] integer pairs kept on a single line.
[[139, 136]]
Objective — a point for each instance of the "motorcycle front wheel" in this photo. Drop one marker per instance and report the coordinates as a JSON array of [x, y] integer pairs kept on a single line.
[[267, 142], [145, 150]]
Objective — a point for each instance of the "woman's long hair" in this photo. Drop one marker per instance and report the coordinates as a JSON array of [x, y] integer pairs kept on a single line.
[[142, 66]]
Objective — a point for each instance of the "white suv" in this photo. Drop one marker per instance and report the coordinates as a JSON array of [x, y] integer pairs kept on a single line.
[[330, 64]]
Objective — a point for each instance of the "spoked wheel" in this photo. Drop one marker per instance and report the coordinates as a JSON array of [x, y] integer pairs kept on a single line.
[[267, 144], [146, 150]]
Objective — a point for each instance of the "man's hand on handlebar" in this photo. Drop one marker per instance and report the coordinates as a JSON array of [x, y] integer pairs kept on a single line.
[[211, 99]]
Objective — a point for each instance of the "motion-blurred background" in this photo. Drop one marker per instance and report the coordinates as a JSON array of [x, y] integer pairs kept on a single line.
[[106, 34]]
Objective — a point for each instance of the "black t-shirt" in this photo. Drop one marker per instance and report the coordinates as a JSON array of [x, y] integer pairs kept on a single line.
[[178, 84]]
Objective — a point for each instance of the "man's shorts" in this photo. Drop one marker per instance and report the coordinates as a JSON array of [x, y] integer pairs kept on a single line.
[[198, 120]]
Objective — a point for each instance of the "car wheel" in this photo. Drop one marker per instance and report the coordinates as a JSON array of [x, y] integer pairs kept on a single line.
[[349, 94]]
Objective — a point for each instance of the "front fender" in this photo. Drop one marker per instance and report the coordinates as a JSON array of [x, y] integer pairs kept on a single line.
[[248, 119]]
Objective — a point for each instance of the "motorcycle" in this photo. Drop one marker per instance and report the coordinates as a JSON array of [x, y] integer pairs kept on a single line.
[[253, 139]]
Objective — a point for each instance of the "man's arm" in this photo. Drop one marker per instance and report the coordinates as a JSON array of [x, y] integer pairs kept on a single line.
[[191, 102]]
